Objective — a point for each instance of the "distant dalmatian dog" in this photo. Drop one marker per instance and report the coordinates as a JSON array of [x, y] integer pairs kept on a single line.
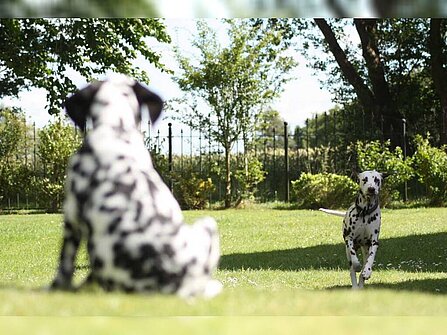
[[136, 238], [361, 226]]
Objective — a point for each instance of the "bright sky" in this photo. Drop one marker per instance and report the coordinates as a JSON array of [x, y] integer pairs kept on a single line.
[[301, 99]]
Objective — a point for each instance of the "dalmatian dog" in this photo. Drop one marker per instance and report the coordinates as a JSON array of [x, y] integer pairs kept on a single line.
[[136, 238], [361, 226]]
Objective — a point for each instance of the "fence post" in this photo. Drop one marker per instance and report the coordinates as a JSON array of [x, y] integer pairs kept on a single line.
[[335, 142], [34, 146], [274, 153], [307, 144], [170, 155], [404, 133], [286, 161], [181, 150]]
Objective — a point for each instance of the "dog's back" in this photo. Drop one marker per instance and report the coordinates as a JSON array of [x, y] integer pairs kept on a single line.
[[133, 225]]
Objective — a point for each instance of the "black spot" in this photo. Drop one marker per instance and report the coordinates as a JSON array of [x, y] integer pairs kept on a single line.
[[168, 250], [346, 232], [365, 180], [138, 211], [147, 251], [114, 224], [376, 231], [76, 166], [98, 263], [106, 209], [124, 188], [90, 247]]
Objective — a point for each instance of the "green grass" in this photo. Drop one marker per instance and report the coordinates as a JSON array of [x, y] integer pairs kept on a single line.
[[274, 263]]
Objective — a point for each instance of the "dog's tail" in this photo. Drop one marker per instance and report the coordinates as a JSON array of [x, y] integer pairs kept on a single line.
[[332, 212]]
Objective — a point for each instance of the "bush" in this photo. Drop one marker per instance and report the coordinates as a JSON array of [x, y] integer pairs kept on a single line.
[[430, 164], [193, 192], [249, 177], [324, 190]]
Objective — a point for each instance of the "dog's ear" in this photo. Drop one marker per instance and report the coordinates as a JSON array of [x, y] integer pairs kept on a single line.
[[78, 105], [384, 175], [150, 99]]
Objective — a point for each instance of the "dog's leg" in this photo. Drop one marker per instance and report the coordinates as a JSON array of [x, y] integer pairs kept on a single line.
[[70, 245], [367, 270], [204, 252], [354, 263], [365, 251], [353, 278]]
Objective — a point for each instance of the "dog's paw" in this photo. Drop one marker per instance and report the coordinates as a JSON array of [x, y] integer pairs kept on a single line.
[[58, 285], [212, 289]]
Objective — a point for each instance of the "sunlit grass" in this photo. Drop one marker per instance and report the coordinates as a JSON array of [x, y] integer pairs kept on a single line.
[[274, 263]]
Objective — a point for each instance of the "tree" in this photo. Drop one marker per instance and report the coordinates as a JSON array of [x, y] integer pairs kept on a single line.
[[41, 52], [12, 133], [373, 95], [387, 73], [57, 142], [15, 174], [234, 81], [269, 123], [438, 52], [79, 8]]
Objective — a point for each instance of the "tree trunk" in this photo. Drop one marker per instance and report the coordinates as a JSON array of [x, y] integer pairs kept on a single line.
[[364, 94], [383, 102], [377, 100], [227, 177], [438, 70]]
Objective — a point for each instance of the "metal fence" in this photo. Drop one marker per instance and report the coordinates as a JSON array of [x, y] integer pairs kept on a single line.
[[319, 146]]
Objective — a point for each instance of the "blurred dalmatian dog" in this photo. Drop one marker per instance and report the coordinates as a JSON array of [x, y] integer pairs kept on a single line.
[[136, 238], [361, 226]]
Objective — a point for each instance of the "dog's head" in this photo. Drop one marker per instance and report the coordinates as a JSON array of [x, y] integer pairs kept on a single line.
[[115, 102], [370, 183]]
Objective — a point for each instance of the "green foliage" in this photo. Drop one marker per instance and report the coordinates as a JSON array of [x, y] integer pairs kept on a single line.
[[57, 142], [79, 8], [15, 173], [39, 52], [235, 80], [323, 190], [12, 133], [249, 176], [430, 164], [402, 45], [375, 155], [193, 191]]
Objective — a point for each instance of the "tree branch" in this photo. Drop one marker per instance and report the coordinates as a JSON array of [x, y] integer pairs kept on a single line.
[[364, 94]]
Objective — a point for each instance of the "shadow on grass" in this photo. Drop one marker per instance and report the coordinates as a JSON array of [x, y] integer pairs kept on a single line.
[[433, 286], [414, 253]]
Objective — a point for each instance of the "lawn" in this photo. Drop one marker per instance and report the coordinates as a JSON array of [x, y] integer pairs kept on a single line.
[[275, 262]]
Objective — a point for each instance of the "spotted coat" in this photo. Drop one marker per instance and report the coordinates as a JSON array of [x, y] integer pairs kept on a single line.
[[361, 227], [136, 237]]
